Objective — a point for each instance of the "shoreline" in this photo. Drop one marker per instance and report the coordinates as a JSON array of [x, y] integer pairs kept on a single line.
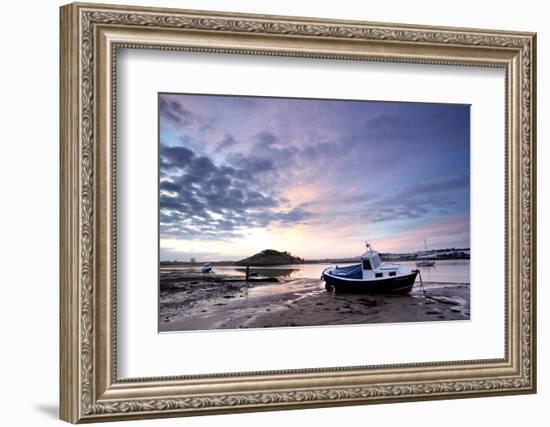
[[192, 302], [197, 264]]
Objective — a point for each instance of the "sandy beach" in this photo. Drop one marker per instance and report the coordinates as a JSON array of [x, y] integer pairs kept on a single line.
[[191, 300]]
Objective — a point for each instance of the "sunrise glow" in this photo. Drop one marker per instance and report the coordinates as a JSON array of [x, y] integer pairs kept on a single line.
[[313, 177]]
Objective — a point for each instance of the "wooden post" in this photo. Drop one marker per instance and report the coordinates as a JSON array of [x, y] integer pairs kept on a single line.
[[247, 272]]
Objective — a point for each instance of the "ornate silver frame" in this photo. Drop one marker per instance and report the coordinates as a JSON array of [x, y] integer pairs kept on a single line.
[[90, 36]]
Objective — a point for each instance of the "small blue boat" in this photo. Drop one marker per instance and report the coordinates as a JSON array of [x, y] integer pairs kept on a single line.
[[370, 276]]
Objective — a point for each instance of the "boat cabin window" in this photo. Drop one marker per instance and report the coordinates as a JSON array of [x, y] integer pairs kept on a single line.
[[366, 265], [375, 262], [379, 275]]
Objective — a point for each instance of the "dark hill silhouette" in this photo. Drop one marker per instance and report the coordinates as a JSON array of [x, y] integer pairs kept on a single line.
[[270, 257]]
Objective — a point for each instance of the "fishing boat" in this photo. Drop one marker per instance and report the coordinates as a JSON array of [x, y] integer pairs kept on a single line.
[[207, 268], [425, 260], [370, 276]]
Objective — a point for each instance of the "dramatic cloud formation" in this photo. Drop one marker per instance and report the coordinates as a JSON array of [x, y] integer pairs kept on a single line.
[[316, 177], [200, 200]]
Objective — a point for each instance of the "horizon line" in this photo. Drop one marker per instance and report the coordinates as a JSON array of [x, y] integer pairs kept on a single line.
[[328, 257]]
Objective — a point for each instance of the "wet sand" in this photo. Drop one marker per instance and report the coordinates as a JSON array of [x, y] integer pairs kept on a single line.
[[196, 301]]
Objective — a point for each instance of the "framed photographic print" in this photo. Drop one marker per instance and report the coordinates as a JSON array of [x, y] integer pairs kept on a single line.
[[266, 212]]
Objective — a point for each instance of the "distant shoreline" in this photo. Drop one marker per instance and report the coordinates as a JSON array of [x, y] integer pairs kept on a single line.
[[384, 257]]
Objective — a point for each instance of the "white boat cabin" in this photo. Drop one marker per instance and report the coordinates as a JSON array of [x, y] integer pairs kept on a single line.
[[374, 269]]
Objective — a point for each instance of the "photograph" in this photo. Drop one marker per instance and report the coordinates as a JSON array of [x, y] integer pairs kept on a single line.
[[293, 212]]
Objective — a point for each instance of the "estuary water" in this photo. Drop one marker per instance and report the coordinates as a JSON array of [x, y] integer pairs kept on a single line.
[[444, 271]]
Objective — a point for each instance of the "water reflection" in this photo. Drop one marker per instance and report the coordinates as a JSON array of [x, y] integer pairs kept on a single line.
[[282, 272], [445, 271]]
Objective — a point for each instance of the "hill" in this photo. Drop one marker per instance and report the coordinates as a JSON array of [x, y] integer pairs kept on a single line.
[[270, 257]]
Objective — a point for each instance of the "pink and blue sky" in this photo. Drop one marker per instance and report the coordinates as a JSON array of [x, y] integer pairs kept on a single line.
[[313, 177]]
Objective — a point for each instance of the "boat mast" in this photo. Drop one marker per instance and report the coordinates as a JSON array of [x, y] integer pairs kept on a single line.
[[368, 246]]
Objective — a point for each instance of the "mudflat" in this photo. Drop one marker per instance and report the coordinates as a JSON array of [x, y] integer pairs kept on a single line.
[[195, 301]]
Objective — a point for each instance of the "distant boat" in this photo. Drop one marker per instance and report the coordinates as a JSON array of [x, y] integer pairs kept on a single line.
[[371, 276], [207, 268], [424, 260]]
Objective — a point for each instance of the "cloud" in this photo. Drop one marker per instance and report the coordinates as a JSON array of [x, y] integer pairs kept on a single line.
[[419, 200], [266, 138], [249, 167], [385, 124], [228, 141], [178, 157], [460, 182], [294, 215], [207, 201], [175, 112]]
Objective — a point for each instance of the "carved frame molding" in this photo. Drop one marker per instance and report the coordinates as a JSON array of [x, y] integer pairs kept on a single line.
[[90, 37]]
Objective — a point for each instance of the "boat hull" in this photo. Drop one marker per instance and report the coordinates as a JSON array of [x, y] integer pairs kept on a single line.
[[425, 263], [398, 284]]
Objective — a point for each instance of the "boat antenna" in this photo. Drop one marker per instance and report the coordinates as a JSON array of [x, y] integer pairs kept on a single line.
[[368, 246]]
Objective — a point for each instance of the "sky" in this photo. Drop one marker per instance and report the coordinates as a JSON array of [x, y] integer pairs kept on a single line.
[[313, 177]]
